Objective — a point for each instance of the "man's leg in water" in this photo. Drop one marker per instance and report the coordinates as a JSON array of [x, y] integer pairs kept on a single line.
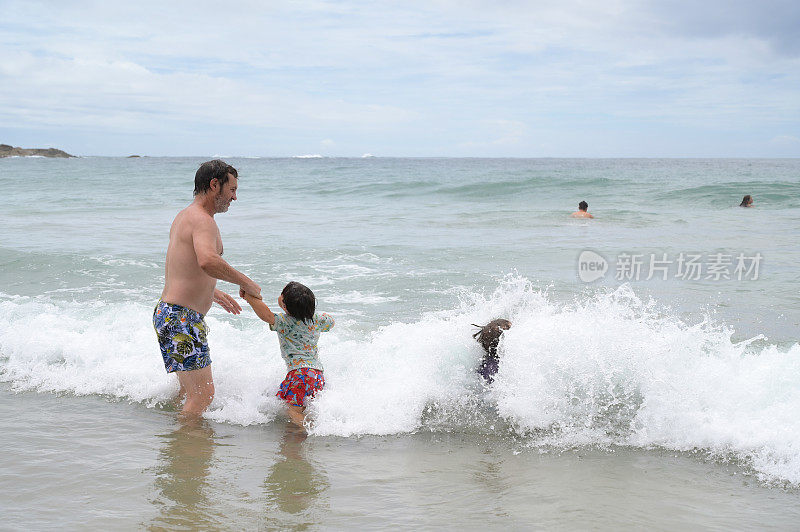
[[181, 392], [198, 386], [297, 415]]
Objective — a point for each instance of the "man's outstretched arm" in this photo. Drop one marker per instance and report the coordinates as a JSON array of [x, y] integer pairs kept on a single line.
[[204, 237]]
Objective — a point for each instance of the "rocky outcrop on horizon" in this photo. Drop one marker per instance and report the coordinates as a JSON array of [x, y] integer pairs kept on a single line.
[[10, 151]]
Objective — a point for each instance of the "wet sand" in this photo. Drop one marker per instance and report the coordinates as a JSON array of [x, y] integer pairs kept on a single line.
[[90, 463]]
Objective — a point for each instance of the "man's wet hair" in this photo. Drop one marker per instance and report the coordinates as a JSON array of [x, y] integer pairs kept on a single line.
[[583, 205], [746, 201], [299, 301], [209, 170]]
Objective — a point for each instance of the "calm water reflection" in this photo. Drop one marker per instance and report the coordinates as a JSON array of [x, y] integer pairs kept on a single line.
[[293, 485], [195, 489], [182, 474]]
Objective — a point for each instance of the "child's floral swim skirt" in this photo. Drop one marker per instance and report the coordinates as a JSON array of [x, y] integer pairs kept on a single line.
[[300, 384]]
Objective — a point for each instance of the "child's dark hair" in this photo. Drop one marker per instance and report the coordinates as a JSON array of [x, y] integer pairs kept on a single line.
[[583, 205], [299, 301], [489, 335]]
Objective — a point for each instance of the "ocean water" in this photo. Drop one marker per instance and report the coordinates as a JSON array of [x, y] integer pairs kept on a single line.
[[657, 395]]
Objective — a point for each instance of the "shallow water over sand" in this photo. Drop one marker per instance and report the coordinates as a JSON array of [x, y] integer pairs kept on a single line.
[[91, 463]]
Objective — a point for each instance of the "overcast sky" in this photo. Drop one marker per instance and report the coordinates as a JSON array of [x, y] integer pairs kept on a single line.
[[562, 78]]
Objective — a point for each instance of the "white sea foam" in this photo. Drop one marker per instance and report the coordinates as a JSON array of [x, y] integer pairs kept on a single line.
[[609, 368], [346, 271], [365, 257], [310, 156], [109, 260], [355, 296]]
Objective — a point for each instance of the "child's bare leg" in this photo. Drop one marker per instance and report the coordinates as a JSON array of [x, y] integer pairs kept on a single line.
[[297, 415]]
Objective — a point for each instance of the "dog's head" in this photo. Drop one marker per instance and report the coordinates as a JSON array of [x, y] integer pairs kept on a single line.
[[489, 335]]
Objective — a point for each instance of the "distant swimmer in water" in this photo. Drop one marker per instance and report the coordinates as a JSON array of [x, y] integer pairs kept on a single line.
[[582, 211], [489, 336], [747, 201]]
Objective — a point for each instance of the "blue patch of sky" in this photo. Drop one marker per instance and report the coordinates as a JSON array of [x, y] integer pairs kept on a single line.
[[450, 35], [552, 54], [25, 34], [774, 79], [196, 65], [670, 69], [266, 76]]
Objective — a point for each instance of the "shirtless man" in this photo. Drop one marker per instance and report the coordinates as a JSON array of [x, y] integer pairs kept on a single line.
[[194, 263], [582, 211]]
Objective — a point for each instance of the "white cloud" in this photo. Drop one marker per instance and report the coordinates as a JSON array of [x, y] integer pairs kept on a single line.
[[785, 140], [406, 79], [497, 133]]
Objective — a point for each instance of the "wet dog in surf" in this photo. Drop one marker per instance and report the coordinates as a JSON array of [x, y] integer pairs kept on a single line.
[[489, 336]]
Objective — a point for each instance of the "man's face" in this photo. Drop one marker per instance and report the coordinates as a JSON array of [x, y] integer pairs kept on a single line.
[[226, 194]]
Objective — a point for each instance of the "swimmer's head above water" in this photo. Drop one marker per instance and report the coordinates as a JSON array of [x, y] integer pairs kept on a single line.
[[582, 211]]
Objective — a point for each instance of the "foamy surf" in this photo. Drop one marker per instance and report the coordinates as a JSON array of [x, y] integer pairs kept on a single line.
[[605, 369]]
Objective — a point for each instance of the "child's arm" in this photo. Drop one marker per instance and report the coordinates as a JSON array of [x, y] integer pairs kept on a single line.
[[261, 309]]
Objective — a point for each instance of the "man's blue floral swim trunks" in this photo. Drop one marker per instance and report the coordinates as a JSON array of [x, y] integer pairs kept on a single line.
[[182, 336]]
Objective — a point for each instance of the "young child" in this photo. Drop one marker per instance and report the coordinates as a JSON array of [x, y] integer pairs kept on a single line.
[[298, 333], [489, 337]]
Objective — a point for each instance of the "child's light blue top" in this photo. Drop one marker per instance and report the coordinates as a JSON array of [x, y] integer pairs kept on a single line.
[[298, 339]]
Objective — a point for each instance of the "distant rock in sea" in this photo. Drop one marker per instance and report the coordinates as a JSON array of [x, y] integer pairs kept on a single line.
[[133, 156], [10, 151]]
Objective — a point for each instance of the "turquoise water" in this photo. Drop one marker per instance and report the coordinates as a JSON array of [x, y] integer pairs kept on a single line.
[[417, 226], [407, 254]]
